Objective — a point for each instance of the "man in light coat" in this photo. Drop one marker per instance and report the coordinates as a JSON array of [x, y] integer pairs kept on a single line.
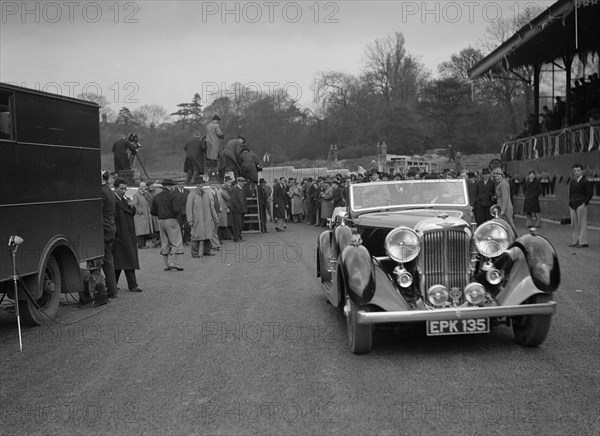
[[202, 217], [503, 199], [213, 142], [142, 218]]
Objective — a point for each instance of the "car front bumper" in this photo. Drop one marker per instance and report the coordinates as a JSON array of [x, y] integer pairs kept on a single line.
[[363, 317]]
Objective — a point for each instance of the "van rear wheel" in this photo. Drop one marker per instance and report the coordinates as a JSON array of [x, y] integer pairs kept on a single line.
[[46, 306]]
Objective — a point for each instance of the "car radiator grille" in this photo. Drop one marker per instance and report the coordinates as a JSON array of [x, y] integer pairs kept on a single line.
[[445, 259]]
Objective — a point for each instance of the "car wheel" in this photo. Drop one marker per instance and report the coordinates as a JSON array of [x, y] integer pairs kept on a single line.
[[531, 330], [46, 306], [360, 336]]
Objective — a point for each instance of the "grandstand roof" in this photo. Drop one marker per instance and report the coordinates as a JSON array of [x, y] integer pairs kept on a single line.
[[549, 36]]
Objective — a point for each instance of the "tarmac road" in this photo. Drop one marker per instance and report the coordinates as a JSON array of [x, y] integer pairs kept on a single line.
[[244, 343]]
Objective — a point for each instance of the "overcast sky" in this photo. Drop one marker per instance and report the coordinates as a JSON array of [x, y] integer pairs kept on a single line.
[[155, 52]]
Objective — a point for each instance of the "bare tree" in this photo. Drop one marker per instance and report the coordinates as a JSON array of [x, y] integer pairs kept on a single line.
[[151, 115], [391, 71], [106, 113]]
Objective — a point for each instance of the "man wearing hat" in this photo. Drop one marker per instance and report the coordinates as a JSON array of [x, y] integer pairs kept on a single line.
[[483, 192], [195, 156], [170, 233], [503, 198], [213, 142], [229, 157], [180, 195], [202, 218], [238, 208]]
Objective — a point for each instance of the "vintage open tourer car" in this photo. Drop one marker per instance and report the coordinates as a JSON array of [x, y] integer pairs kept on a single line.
[[409, 251]]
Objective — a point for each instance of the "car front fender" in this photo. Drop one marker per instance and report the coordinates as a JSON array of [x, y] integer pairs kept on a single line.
[[358, 273], [531, 267], [542, 261]]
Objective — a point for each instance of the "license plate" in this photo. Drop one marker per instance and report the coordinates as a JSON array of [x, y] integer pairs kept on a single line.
[[458, 327]]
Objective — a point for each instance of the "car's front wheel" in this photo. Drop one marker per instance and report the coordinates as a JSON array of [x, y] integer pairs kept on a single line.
[[531, 330], [360, 336]]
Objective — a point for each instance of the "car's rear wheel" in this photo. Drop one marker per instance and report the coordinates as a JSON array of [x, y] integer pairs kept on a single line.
[[360, 336], [531, 330], [35, 313]]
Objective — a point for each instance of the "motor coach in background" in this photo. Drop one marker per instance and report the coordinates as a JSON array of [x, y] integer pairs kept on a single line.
[[50, 196]]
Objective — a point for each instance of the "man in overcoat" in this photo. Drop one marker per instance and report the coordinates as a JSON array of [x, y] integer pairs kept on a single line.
[[503, 199], [109, 203], [214, 135], [230, 157], [202, 218], [142, 219], [125, 248], [485, 189], [250, 167], [239, 207], [195, 152]]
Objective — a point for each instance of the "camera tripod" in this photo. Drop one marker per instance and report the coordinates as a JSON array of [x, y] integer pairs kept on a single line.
[[132, 165]]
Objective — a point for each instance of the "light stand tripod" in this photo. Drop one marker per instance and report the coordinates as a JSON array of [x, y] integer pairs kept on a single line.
[[13, 245]]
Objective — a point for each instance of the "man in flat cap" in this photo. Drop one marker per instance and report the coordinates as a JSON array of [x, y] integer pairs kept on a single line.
[[170, 233]]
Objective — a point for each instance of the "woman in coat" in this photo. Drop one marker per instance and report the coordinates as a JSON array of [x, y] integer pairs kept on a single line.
[[142, 218], [326, 204], [531, 206], [202, 216]]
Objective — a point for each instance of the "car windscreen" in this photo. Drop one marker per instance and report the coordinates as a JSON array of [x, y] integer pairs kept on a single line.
[[410, 193]]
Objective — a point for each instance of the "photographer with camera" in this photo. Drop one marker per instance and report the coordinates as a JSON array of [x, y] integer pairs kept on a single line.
[[121, 159]]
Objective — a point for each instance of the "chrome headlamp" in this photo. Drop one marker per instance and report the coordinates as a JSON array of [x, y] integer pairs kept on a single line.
[[438, 295], [491, 239], [402, 244], [475, 293]]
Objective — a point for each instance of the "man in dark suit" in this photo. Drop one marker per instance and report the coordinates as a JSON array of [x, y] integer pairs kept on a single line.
[[279, 202], [179, 196], [195, 157], [125, 248], [238, 208], [484, 190], [109, 204]]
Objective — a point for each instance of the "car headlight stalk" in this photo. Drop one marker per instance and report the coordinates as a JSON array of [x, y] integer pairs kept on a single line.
[[403, 277], [494, 276]]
